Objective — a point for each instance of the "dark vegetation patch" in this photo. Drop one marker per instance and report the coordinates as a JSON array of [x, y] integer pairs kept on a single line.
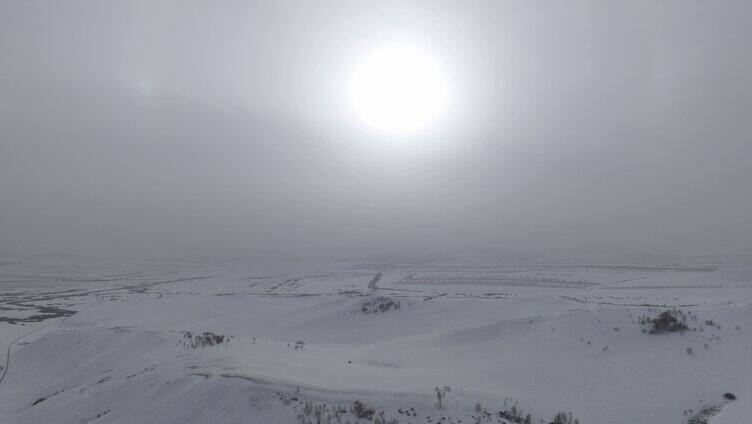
[[44, 313], [511, 413], [565, 418], [311, 413], [205, 339], [515, 416], [360, 412], [378, 304], [705, 414], [668, 321]]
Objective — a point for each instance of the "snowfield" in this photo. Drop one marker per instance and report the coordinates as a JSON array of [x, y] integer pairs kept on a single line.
[[475, 340]]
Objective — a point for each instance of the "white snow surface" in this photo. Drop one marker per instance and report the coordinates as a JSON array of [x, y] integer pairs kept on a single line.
[[545, 335]]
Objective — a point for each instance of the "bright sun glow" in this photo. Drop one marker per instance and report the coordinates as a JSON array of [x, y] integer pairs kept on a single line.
[[398, 90]]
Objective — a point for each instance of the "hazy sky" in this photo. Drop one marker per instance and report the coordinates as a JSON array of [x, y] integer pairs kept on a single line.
[[221, 128]]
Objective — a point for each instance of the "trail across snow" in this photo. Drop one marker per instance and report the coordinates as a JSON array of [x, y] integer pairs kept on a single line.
[[16, 340]]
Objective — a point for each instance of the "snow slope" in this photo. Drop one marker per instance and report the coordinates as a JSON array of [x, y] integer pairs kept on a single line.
[[544, 338]]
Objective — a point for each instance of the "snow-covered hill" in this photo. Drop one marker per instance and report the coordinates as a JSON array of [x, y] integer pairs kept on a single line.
[[428, 342]]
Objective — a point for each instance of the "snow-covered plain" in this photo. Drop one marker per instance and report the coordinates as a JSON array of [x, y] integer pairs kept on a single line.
[[419, 341]]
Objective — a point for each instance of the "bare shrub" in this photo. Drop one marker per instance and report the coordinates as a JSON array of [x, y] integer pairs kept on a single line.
[[378, 304], [205, 339], [362, 410], [668, 321], [564, 418]]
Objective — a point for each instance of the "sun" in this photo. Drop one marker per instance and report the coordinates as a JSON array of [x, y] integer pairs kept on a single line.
[[398, 90]]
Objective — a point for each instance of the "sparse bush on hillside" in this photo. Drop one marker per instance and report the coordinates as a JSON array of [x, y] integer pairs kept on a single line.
[[205, 339], [378, 304], [668, 321], [439, 398], [311, 413], [362, 410], [705, 414], [513, 413], [564, 418], [441, 393], [359, 412]]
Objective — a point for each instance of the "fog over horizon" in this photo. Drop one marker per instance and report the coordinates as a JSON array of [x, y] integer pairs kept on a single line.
[[185, 129]]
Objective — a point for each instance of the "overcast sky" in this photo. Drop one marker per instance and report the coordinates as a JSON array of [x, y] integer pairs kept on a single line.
[[219, 128]]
